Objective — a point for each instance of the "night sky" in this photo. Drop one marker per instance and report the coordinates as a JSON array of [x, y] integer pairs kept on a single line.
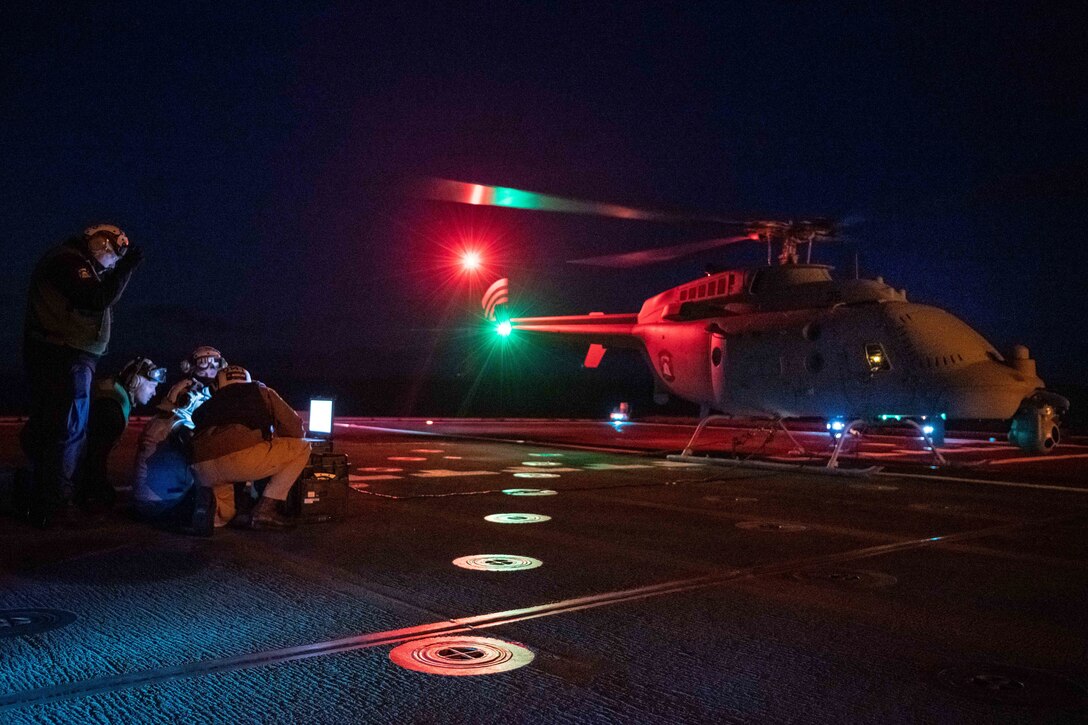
[[260, 154]]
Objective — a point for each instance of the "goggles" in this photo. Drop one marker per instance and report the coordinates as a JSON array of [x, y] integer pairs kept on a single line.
[[119, 243], [157, 375], [206, 361]]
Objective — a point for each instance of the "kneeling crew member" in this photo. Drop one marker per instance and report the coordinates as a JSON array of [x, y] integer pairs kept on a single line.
[[246, 432], [112, 400], [162, 480]]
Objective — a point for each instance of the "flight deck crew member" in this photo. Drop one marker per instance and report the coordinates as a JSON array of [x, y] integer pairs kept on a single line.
[[67, 329], [246, 432], [162, 478], [112, 400]]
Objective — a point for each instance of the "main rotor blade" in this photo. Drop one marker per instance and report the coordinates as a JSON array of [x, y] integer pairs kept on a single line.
[[483, 195], [662, 254]]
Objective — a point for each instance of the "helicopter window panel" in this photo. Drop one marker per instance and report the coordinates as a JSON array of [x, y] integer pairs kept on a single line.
[[683, 295], [876, 358], [702, 290], [721, 286]]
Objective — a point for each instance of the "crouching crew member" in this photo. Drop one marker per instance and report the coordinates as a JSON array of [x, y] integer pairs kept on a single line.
[[112, 400], [163, 480], [246, 432]]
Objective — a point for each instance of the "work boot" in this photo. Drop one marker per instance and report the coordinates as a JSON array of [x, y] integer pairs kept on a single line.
[[203, 521], [265, 516]]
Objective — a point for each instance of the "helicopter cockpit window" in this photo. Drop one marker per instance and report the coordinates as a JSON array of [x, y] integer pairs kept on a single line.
[[876, 358]]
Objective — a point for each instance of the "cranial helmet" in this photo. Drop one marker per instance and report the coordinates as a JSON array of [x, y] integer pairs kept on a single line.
[[203, 354], [140, 367], [106, 237], [230, 375]]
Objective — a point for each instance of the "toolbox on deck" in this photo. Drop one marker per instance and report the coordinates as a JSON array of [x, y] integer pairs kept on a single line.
[[321, 492]]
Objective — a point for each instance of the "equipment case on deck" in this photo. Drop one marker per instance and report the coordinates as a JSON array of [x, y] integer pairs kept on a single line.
[[321, 492]]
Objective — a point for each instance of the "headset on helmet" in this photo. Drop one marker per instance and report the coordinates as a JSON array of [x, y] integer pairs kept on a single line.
[[199, 356], [230, 375], [142, 367], [106, 237]]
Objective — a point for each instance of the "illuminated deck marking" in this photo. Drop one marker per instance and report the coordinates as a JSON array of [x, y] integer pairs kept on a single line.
[[113, 683], [517, 518], [497, 562], [459, 656]]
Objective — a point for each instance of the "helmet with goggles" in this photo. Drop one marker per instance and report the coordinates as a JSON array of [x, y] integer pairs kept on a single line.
[[137, 368], [204, 362], [106, 238]]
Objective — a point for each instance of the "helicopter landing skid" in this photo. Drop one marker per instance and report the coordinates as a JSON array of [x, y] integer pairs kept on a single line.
[[831, 468], [927, 440]]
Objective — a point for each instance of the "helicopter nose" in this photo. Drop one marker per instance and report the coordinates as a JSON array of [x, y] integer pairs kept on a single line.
[[957, 369], [986, 389]]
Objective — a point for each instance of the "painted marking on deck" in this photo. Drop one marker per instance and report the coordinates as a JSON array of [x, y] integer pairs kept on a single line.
[[1036, 459], [95, 686], [446, 473], [1009, 484], [530, 469]]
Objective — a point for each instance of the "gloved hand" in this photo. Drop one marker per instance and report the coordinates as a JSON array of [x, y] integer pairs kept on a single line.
[[132, 259]]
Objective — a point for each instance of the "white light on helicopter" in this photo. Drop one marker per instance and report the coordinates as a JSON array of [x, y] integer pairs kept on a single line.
[[504, 328]]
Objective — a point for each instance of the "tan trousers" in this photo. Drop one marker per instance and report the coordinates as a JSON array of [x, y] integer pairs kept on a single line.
[[281, 458]]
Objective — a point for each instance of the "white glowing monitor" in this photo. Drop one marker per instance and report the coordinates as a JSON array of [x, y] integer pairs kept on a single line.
[[320, 418]]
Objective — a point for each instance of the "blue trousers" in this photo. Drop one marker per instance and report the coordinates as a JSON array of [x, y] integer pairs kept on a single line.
[[56, 429]]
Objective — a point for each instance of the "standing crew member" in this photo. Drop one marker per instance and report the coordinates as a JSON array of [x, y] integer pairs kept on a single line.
[[246, 432], [112, 400], [67, 329]]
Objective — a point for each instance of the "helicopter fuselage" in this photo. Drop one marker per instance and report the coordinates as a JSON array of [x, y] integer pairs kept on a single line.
[[789, 341]]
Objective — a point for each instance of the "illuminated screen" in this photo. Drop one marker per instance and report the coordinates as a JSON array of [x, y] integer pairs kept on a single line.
[[320, 416]]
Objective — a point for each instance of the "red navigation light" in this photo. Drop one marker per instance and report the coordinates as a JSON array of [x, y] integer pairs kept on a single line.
[[470, 261]]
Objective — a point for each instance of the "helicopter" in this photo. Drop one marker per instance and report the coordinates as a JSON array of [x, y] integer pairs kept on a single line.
[[786, 340]]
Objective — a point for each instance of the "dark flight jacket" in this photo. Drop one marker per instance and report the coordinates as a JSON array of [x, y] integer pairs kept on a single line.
[[70, 299], [239, 416]]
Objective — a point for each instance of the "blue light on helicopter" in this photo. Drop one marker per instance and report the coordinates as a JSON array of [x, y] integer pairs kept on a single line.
[[836, 426]]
